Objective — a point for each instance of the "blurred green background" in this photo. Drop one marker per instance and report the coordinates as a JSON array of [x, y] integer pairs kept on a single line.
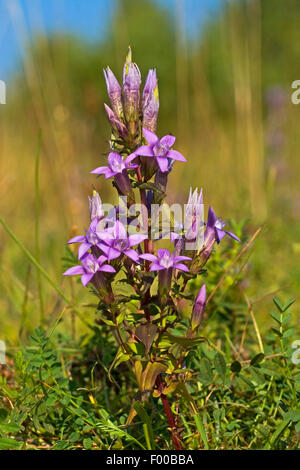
[[225, 92]]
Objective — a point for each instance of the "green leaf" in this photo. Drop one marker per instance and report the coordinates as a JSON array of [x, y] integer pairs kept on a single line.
[[220, 365], [148, 430], [7, 444], [257, 359], [9, 428], [278, 304], [146, 333], [288, 304], [87, 443], [74, 436], [279, 430], [276, 317], [201, 430], [61, 445], [168, 340], [206, 374], [150, 374], [293, 416]]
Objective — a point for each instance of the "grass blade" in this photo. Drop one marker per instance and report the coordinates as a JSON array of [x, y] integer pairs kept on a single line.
[[201, 430], [37, 219]]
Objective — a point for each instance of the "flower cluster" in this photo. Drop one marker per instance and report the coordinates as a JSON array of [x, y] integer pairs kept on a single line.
[[108, 251]]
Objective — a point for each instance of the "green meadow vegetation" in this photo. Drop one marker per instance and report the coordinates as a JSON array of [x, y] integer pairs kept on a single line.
[[226, 95]]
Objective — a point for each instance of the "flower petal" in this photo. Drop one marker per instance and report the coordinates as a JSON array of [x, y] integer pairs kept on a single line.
[[86, 278], [113, 254], [176, 156], [181, 267], [232, 235], [163, 164], [73, 271], [168, 140], [101, 170], [211, 217], [136, 238], [132, 255], [181, 258], [101, 259], [148, 257], [220, 234], [107, 268], [144, 151], [156, 267], [163, 252], [130, 157], [78, 239], [83, 249], [150, 137]]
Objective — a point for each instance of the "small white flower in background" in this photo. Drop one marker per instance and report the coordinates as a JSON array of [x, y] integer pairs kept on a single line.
[[2, 352]]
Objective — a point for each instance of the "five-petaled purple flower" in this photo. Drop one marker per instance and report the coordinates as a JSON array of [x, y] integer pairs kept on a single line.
[[89, 240], [160, 149], [116, 166], [214, 228], [89, 268], [166, 260], [117, 242]]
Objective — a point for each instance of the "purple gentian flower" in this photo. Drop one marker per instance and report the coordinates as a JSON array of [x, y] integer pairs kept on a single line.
[[214, 227], [117, 242], [114, 91], [199, 308], [165, 261], [117, 168], [89, 267], [150, 103], [160, 149], [89, 240]]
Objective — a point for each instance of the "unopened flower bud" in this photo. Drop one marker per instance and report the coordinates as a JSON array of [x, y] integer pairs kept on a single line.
[[114, 92], [95, 205], [199, 308], [115, 122], [131, 91], [150, 101]]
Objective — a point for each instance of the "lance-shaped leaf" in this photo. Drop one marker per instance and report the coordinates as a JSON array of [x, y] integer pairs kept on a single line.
[[150, 374], [146, 333], [168, 340], [120, 357]]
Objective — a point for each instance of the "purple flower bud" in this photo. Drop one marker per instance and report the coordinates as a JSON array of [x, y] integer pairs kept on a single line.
[[115, 122], [95, 205], [150, 101], [131, 89], [199, 308], [114, 92]]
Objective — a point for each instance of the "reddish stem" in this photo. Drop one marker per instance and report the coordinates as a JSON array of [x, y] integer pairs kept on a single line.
[[169, 414]]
